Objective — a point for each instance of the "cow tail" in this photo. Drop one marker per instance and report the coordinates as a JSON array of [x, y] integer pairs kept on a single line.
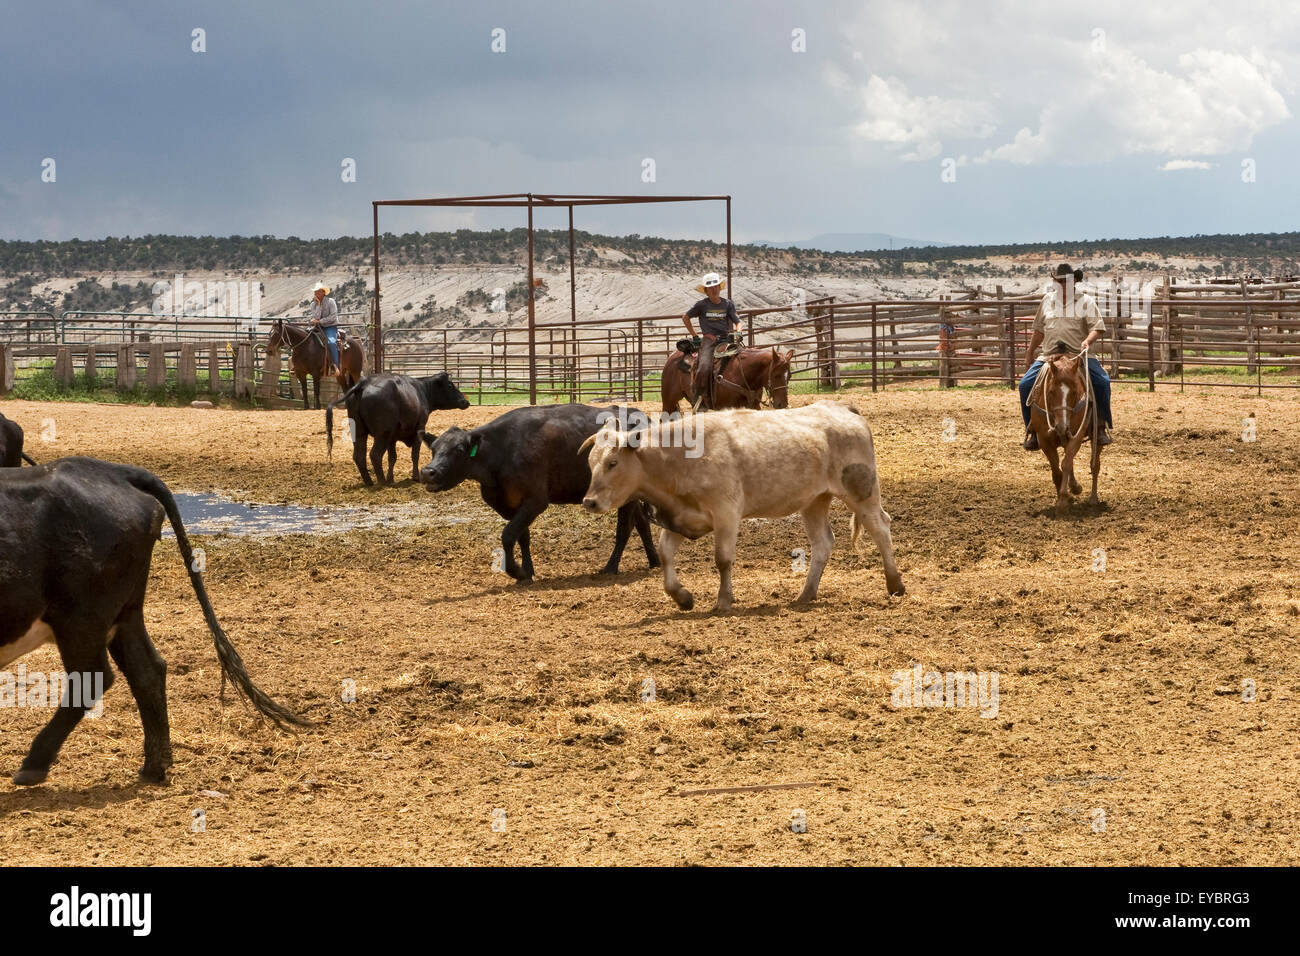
[[232, 666], [329, 420], [29, 459]]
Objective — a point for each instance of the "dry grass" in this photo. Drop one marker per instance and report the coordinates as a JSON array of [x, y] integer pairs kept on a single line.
[[1119, 690]]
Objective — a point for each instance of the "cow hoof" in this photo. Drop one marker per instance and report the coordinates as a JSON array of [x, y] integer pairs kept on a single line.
[[152, 777], [895, 588], [28, 778], [524, 579], [686, 602], [608, 569]]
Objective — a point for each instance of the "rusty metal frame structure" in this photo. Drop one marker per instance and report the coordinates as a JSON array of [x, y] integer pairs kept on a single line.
[[530, 201]]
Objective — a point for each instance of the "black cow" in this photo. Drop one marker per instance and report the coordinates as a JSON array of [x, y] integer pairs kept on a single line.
[[11, 445], [392, 408], [525, 460], [76, 540]]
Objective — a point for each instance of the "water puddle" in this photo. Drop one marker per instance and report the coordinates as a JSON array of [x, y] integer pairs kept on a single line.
[[212, 514]]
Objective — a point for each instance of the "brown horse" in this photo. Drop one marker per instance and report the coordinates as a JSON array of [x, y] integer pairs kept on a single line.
[[309, 355], [1064, 415], [744, 378]]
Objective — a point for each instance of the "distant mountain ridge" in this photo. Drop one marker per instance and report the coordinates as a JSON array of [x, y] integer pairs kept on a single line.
[[852, 242]]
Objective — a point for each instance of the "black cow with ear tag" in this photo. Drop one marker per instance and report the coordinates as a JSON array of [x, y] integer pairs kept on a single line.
[[526, 460]]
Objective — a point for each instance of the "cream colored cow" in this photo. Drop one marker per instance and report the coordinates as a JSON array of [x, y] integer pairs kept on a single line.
[[745, 464]]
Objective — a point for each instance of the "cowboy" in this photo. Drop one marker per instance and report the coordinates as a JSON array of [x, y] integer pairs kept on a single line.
[[325, 316], [718, 318], [1071, 319]]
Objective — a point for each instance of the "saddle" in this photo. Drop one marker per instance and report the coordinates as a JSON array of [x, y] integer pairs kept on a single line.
[[344, 343], [723, 352], [724, 349]]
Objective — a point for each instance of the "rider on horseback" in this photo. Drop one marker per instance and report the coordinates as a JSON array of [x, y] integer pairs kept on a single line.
[[718, 319], [1073, 319], [325, 316]]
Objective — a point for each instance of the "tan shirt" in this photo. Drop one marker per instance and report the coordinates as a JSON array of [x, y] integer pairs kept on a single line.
[[1068, 322]]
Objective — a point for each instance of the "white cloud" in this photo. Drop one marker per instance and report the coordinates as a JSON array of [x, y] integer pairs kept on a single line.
[[1165, 81], [1122, 106], [1175, 164], [893, 116]]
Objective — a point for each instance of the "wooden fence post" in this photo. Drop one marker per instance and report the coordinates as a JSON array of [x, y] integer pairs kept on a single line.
[[214, 370], [945, 350], [1252, 351], [6, 368], [875, 353], [832, 362], [63, 365], [156, 371], [243, 370], [270, 374], [126, 370], [92, 366], [187, 367]]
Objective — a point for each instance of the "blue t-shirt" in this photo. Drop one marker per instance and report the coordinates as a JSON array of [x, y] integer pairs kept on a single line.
[[715, 318]]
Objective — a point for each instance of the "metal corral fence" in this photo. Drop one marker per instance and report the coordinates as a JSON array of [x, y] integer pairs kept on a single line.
[[1192, 334], [205, 354], [1243, 334]]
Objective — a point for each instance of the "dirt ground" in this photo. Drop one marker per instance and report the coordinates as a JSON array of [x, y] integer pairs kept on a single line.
[[1120, 690]]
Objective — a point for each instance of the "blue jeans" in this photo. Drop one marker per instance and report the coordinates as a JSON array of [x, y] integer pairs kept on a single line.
[[1100, 389], [332, 340]]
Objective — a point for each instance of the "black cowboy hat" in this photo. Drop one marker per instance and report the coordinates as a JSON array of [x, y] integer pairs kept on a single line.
[[1063, 271]]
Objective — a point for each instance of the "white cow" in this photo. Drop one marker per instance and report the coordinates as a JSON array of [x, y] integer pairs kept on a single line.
[[745, 464]]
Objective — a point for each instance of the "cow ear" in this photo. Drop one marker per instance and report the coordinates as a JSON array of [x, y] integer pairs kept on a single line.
[[428, 438]]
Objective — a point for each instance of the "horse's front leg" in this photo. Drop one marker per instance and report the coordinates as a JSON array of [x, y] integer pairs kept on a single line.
[[1049, 449], [302, 381], [315, 384], [1068, 485], [1096, 471], [1075, 447]]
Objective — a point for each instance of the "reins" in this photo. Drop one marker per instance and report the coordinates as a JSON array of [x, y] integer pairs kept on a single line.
[[1084, 403], [307, 336]]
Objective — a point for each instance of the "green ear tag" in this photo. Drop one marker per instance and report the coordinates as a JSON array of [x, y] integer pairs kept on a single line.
[[473, 449]]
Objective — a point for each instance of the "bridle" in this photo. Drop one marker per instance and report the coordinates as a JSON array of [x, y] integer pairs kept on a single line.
[[748, 389], [282, 328], [1082, 404]]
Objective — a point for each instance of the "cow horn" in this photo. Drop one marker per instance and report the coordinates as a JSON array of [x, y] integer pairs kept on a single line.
[[586, 445]]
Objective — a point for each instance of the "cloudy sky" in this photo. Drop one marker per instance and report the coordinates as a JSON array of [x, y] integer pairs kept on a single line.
[[955, 122]]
